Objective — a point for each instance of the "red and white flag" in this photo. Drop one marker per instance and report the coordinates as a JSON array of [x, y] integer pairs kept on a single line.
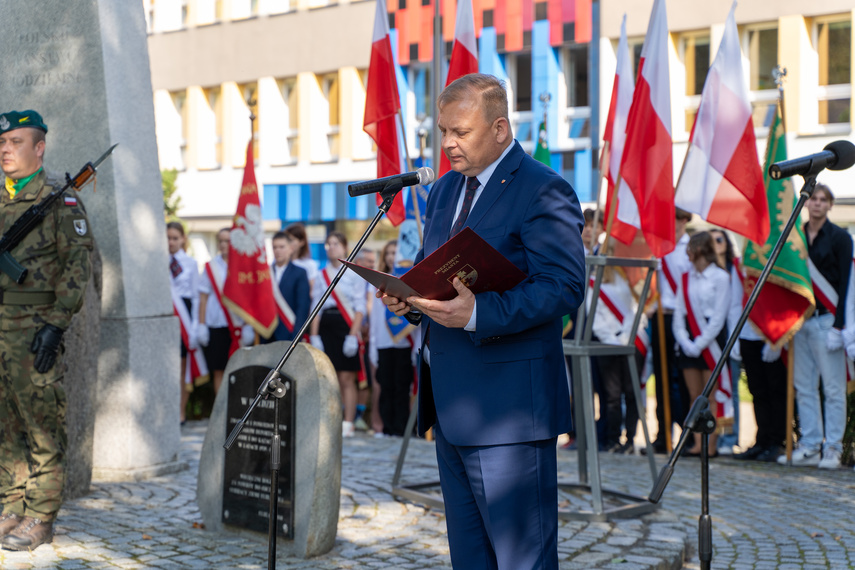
[[615, 136], [464, 56], [247, 289], [646, 165], [382, 105], [721, 180]]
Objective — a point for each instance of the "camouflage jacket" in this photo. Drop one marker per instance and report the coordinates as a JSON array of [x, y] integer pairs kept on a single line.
[[56, 254]]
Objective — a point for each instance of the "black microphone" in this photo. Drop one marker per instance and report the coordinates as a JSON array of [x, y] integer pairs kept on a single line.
[[423, 176], [838, 155]]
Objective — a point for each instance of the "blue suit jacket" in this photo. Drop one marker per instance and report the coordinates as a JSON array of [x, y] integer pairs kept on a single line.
[[294, 287], [506, 382]]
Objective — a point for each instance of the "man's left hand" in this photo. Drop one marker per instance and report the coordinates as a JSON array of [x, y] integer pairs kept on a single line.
[[46, 346], [454, 313]]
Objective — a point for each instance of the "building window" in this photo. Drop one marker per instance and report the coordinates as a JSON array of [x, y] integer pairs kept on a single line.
[[211, 130], [695, 49], [330, 90], [519, 83], [760, 44], [635, 46], [179, 102], [420, 108], [834, 48], [575, 65], [284, 148]]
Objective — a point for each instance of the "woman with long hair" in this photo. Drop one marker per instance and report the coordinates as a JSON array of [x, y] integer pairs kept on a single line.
[[703, 301], [337, 329]]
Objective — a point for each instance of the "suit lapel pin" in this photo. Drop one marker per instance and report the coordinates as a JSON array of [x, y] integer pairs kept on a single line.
[[503, 180]]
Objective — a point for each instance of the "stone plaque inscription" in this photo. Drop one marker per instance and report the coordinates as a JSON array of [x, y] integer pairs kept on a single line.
[[246, 488]]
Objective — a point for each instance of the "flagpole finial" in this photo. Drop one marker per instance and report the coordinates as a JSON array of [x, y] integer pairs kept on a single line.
[[778, 74], [545, 97]]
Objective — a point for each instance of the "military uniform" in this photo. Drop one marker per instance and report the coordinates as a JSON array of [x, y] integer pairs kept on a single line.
[[32, 404]]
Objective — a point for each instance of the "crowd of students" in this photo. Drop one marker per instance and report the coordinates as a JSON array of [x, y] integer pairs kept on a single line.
[[372, 356], [701, 292]]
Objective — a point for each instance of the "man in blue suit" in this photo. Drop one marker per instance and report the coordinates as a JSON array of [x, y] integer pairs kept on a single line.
[[293, 285], [492, 377]]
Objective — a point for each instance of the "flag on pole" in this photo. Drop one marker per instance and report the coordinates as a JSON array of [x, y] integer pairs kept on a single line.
[[541, 151], [787, 297], [721, 180], [247, 291], [646, 164], [615, 137], [382, 105], [464, 56]]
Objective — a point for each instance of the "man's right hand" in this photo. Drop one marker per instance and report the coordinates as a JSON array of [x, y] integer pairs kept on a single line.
[[46, 346]]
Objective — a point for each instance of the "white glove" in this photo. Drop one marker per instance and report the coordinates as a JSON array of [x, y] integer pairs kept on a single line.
[[350, 346], [849, 342], [768, 354], [247, 335], [203, 334], [833, 340], [192, 340], [316, 341], [414, 356], [373, 355], [689, 349], [736, 352]]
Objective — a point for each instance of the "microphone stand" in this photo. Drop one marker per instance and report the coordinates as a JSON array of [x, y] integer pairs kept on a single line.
[[273, 386], [700, 418]]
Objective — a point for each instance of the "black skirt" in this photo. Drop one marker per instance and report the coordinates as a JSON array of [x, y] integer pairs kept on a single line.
[[333, 329], [217, 351], [189, 304]]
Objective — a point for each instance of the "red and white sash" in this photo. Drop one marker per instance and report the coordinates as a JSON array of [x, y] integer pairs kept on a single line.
[[283, 309], [348, 314], [711, 355], [669, 275], [822, 289], [621, 311], [217, 286], [196, 366]]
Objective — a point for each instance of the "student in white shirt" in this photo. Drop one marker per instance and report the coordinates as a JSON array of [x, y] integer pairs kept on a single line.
[[184, 277], [709, 293]]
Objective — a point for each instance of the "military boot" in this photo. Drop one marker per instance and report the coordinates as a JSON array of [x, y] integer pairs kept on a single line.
[[8, 522], [28, 535]]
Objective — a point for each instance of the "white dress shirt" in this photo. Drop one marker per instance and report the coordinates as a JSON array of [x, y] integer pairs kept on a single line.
[[709, 293], [678, 263]]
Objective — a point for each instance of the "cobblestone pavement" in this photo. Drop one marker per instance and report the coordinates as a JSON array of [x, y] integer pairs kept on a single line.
[[764, 516]]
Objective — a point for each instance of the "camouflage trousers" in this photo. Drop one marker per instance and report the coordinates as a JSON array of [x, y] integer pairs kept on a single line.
[[32, 430]]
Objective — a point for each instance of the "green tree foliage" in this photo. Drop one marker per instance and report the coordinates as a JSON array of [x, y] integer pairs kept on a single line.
[[171, 200]]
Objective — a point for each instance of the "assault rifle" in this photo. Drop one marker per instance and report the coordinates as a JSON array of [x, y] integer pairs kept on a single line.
[[34, 216]]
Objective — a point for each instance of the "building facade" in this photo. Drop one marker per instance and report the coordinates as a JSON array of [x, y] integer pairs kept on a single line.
[[302, 64]]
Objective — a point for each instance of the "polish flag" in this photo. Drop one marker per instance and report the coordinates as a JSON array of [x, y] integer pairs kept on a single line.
[[646, 165], [615, 136], [721, 180], [382, 105], [464, 56]]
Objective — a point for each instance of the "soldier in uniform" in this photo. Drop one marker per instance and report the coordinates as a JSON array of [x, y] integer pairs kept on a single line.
[[33, 317]]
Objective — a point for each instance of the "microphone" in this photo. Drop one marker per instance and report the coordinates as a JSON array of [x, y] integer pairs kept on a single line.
[[423, 176], [838, 155]]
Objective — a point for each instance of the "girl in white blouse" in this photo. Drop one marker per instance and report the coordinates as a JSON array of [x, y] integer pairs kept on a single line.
[[708, 289]]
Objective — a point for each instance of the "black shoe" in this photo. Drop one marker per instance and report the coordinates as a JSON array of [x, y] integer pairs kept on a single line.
[[751, 453], [770, 454]]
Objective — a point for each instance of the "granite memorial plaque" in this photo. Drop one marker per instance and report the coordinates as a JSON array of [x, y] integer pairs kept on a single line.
[[246, 485]]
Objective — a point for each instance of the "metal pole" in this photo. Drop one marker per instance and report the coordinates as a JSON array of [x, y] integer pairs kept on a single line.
[[594, 94]]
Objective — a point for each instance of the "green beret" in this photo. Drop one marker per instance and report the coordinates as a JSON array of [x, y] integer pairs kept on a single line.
[[19, 119]]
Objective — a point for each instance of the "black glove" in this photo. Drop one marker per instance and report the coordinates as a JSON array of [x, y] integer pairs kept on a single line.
[[45, 347]]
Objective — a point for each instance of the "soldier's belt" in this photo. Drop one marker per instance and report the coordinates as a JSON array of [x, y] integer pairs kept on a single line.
[[27, 297]]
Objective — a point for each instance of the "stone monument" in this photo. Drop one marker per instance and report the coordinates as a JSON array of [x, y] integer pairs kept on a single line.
[[317, 449], [84, 66]]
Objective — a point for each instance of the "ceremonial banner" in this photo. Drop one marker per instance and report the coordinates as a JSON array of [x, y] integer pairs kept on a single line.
[[247, 290], [721, 179], [787, 297], [382, 105], [646, 165], [614, 138], [464, 56]]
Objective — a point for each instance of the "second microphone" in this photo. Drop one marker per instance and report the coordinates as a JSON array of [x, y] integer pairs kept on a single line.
[[423, 176]]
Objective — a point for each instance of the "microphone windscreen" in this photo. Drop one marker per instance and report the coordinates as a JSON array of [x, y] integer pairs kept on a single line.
[[426, 175], [845, 152]]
